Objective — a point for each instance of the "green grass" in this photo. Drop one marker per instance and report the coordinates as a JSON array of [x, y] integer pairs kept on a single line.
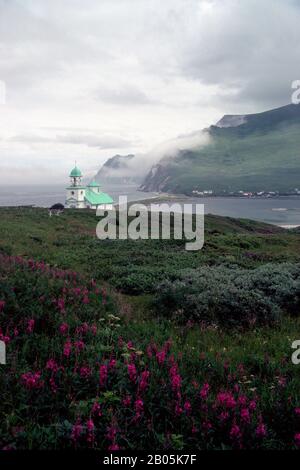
[[69, 241], [136, 267]]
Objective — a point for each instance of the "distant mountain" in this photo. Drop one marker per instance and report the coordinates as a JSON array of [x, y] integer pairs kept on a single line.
[[117, 170], [251, 153]]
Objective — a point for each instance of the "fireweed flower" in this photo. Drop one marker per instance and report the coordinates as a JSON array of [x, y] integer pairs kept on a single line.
[[79, 345], [131, 369], [235, 432], [245, 416], [4, 338], [297, 439], [52, 365], [252, 405], [187, 407], [67, 348], [226, 399], [64, 328], [90, 428], [144, 380], [178, 409], [103, 374], [204, 391], [30, 325], [161, 357], [175, 379], [61, 305], [76, 431], [94, 330], [114, 447], [84, 372], [126, 401], [242, 400], [96, 410], [139, 406], [32, 380], [261, 430], [223, 416], [297, 411]]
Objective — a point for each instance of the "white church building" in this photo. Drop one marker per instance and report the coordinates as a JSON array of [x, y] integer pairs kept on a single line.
[[80, 196]]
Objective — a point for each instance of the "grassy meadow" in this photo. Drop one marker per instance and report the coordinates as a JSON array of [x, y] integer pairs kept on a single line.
[[142, 345]]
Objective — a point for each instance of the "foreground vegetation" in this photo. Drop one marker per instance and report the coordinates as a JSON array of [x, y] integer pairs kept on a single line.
[[89, 366]]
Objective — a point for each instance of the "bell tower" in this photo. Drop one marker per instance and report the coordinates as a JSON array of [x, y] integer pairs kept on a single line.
[[75, 192]]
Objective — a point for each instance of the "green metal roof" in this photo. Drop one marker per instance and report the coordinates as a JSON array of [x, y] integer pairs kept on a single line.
[[93, 184], [75, 173], [97, 198]]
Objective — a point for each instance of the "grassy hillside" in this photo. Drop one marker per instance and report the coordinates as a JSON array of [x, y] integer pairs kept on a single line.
[[70, 242], [90, 366], [260, 155]]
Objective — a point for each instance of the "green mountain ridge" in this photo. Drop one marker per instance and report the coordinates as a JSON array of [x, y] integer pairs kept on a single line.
[[253, 153]]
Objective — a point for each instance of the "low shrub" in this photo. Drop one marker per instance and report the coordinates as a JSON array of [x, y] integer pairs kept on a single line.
[[232, 296]]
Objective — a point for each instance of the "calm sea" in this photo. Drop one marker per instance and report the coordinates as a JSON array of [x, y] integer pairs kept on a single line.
[[280, 211]]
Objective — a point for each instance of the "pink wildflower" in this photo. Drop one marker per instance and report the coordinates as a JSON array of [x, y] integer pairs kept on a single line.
[[76, 432], [161, 357], [32, 380], [226, 399], [52, 365], [64, 328], [297, 439], [261, 430], [84, 372], [139, 406], [103, 374], [252, 405], [96, 409], [144, 380], [79, 345], [61, 305], [245, 415], [235, 432], [187, 407], [67, 348], [113, 447], [90, 428], [175, 379], [204, 391], [30, 325], [132, 372], [126, 401]]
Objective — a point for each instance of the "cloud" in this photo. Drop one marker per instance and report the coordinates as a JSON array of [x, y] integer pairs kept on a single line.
[[129, 74], [127, 94], [104, 142]]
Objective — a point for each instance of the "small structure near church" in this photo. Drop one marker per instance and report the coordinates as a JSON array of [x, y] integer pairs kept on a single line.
[[56, 209], [80, 196]]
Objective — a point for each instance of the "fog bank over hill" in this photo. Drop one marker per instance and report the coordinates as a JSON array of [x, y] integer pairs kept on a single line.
[[243, 153]]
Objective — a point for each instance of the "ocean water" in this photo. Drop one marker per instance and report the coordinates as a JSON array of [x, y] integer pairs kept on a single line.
[[46, 196], [283, 211]]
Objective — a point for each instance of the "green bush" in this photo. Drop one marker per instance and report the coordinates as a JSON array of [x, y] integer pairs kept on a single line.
[[232, 296]]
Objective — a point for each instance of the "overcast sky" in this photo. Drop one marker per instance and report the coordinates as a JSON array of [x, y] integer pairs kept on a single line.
[[86, 79]]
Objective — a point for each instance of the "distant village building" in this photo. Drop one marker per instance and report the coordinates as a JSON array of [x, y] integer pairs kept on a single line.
[[84, 197]]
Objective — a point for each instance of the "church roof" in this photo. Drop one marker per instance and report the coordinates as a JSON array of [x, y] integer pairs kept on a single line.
[[97, 198], [75, 173], [94, 184]]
